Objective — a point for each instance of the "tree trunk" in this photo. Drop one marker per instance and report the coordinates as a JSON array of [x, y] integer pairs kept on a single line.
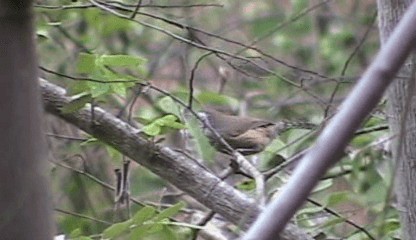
[[24, 201], [404, 150]]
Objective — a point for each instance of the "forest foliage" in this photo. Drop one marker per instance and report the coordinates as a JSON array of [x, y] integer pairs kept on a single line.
[[292, 59]]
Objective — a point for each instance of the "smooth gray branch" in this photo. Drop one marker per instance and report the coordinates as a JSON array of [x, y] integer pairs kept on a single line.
[[330, 145]]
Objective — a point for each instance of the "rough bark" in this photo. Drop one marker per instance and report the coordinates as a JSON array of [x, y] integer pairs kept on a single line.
[[390, 12], [173, 166], [24, 201]]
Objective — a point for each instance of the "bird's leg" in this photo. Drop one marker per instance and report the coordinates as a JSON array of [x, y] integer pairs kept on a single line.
[[236, 169]]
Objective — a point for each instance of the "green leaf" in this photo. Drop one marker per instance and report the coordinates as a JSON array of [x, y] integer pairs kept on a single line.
[[336, 198], [263, 25], [376, 192], [362, 141], [167, 119], [204, 148], [391, 225], [284, 42], [90, 141], [247, 185], [141, 231], [169, 106], [299, 5], [144, 214], [106, 73], [77, 87], [152, 129], [77, 103], [273, 161], [42, 34], [97, 89], [82, 238], [277, 146], [322, 185], [86, 63], [75, 233], [170, 121], [332, 222], [175, 125], [113, 153], [119, 88], [116, 229], [308, 211], [155, 128], [110, 24], [216, 99], [148, 223], [184, 224], [97, 67], [168, 232], [169, 212], [147, 115], [122, 60], [155, 227]]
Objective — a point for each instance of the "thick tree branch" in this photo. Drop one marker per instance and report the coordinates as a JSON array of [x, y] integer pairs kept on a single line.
[[25, 204], [163, 161]]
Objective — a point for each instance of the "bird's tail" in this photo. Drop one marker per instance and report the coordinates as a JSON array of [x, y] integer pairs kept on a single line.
[[284, 126]]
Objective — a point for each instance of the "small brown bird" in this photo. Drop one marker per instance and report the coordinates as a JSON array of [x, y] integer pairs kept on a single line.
[[245, 134]]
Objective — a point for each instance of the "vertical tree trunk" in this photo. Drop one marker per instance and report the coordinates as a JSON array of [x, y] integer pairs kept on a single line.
[[390, 12], [24, 201]]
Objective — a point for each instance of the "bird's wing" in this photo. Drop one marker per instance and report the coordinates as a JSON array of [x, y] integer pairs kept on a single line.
[[243, 126]]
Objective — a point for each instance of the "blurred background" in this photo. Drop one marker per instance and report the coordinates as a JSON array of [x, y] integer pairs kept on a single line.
[[288, 59]]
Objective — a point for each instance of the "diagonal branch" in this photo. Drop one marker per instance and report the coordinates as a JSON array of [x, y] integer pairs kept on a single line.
[[331, 143], [163, 161]]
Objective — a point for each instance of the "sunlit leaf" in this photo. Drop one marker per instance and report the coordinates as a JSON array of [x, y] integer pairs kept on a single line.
[[323, 185], [98, 89], [168, 121], [75, 233], [116, 230], [140, 231], [143, 214], [152, 129], [204, 148], [86, 63], [216, 99], [169, 212], [122, 60], [169, 106]]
